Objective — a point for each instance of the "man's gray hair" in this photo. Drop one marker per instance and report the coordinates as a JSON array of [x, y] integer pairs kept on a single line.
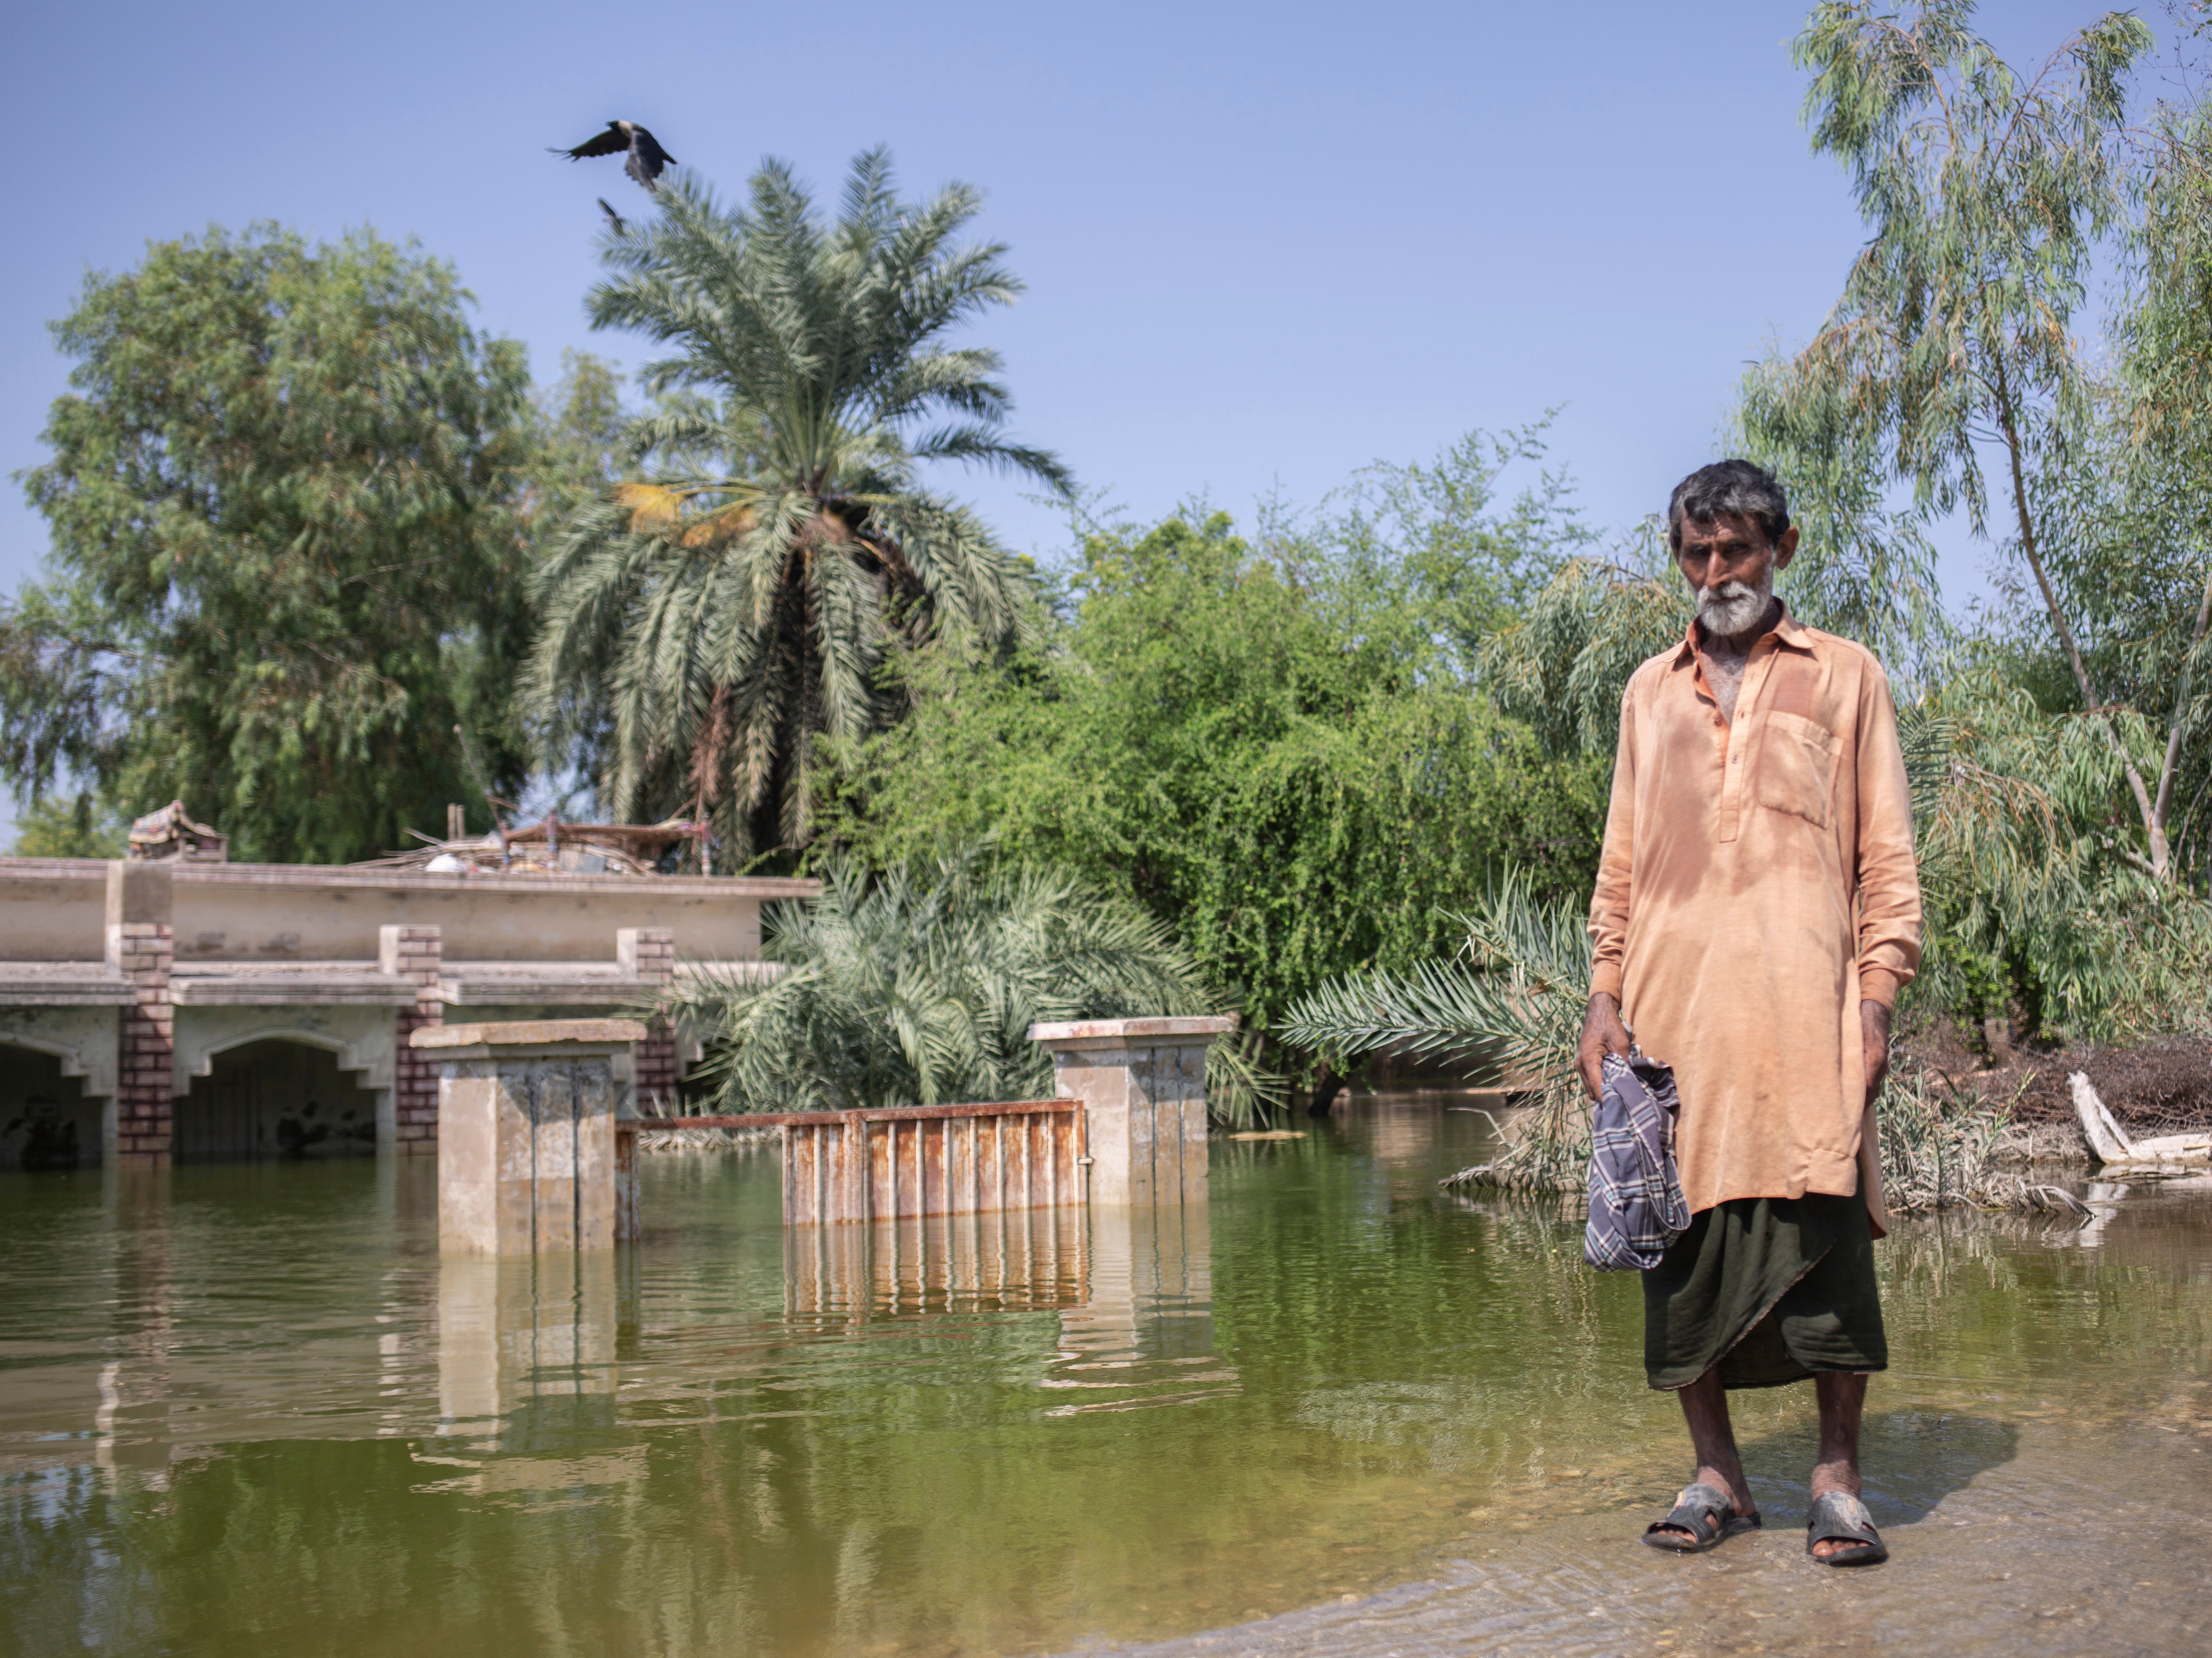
[[1728, 488]]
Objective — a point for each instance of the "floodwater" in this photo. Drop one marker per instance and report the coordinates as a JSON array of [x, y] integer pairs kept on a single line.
[[250, 1410]]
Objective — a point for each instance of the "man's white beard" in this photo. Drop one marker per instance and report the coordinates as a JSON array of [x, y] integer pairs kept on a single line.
[[1733, 608]]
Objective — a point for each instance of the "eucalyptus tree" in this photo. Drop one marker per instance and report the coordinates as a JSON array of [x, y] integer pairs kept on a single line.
[[2165, 337], [1988, 197], [707, 625], [1866, 566], [1561, 665]]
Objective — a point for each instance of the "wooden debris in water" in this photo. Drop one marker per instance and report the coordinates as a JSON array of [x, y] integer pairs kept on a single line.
[[2168, 1154], [1271, 1134]]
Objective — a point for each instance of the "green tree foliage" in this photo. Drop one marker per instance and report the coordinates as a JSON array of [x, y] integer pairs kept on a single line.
[[1507, 1008], [1270, 747], [1509, 1004], [53, 826], [705, 626], [2165, 403], [1865, 568], [2039, 912], [2058, 792], [1429, 548], [286, 504], [1986, 197], [583, 433], [919, 987], [1563, 663]]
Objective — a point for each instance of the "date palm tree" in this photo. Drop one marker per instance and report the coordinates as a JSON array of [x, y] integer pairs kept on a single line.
[[706, 626]]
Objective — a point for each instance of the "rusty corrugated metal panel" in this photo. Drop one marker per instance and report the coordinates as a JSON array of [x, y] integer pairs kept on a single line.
[[883, 1114], [906, 1165]]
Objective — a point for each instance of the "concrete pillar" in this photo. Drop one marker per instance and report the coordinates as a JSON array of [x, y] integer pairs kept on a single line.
[[648, 953], [1142, 1082], [526, 1131], [141, 946], [415, 954]]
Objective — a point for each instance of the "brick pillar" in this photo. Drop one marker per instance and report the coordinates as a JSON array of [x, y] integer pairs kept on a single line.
[[649, 953], [142, 948], [415, 954]]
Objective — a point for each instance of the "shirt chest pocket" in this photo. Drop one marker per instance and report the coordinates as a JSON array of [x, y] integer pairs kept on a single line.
[[1797, 768]]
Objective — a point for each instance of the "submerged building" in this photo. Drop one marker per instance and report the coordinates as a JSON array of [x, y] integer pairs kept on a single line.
[[173, 1005]]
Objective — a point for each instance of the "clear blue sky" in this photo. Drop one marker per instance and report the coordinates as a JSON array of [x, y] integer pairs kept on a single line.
[[1265, 244]]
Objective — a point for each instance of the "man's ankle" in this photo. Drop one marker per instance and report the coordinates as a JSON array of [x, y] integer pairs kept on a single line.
[[1837, 1476], [1733, 1489]]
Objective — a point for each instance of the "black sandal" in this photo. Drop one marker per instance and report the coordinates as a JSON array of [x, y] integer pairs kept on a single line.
[[1839, 1517], [1701, 1519]]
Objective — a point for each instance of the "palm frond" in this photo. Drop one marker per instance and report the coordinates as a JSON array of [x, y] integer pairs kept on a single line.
[[1507, 1011], [920, 986]]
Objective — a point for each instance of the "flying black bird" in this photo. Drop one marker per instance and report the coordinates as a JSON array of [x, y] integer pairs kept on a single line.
[[621, 227], [646, 157]]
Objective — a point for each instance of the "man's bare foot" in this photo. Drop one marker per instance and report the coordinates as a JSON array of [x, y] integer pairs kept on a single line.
[[1842, 1397], [1837, 1477], [1731, 1481], [1741, 1508]]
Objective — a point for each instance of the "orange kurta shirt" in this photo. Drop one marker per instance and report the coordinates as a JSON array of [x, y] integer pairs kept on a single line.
[[1757, 883]]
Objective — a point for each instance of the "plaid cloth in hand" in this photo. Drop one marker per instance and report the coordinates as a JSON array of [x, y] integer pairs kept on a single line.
[[1635, 1203]]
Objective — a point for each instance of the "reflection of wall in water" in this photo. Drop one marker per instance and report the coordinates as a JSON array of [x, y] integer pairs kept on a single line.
[[46, 1121], [1006, 1260], [275, 1099]]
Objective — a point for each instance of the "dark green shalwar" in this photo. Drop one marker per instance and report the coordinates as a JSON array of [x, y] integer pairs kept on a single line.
[[1771, 1290]]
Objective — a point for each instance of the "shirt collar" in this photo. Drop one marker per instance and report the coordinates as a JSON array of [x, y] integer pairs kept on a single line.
[[1788, 631]]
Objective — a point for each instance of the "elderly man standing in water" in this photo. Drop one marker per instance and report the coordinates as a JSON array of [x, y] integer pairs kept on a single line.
[[1756, 912]]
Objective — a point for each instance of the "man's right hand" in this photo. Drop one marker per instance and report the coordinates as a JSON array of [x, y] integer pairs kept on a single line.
[[1602, 1033]]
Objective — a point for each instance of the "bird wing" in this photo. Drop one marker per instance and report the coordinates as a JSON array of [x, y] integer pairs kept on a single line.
[[646, 157], [609, 143], [613, 217]]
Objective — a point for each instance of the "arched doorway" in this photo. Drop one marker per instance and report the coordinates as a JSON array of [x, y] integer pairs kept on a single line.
[[274, 1098], [46, 1119]]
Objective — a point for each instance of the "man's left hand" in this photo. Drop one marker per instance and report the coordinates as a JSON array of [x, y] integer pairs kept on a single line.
[[1873, 1027]]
